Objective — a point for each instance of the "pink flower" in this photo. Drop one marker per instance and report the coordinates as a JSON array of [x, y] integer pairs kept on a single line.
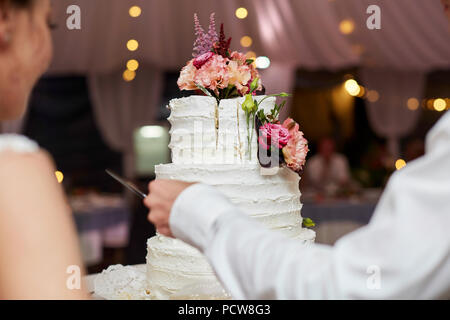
[[296, 149], [202, 59], [250, 70], [186, 79], [239, 76], [273, 134], [213, 74]]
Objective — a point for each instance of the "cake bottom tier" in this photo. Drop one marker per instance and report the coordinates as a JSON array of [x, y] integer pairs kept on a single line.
[[173, 265]]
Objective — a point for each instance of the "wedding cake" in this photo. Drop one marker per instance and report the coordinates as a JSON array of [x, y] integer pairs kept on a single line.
[[209, 145], [216, 139]]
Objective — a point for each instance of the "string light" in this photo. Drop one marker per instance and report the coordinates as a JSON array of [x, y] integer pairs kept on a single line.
[[439, 105], [352, 87], [132, 65], [246, 41], [399, 164], [135, 11], [412, 104], [132, 45], [129, 75], [347, 26], [262, 62], [241, 13], [59, 176]]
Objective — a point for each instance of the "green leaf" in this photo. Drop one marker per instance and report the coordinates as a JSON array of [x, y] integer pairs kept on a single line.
[[308, 223], [254, 85], [249, 61], [204, 90]]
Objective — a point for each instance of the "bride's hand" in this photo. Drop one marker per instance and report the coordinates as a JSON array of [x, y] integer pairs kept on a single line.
[[160, 200]]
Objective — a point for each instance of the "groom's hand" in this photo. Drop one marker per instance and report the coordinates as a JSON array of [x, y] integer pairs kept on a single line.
[[162, 195]]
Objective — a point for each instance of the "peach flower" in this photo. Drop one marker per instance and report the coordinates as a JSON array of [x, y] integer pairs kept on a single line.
[[297, 147], [186, 79]]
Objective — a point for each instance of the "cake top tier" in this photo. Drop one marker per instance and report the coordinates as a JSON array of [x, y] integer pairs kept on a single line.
[[211, 132]]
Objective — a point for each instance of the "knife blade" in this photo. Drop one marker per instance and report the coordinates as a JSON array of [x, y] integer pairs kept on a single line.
[[129, 185]]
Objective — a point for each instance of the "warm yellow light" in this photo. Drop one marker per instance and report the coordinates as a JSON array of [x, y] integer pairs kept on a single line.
[[412, 104], [135, 11], [373, 95], [59, 176], [362, 92], [400, 163], [352, 87], [430, 104], [241, 13], [439, 104], [250, 55], [132, 65], [347, 26], [132, 45], [246, 41], [129, 75]]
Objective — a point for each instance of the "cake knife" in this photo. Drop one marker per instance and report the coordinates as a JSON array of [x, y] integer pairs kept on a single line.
[[130, 186]]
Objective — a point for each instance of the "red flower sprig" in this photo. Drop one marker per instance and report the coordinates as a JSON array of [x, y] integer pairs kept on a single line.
[[222, 47]]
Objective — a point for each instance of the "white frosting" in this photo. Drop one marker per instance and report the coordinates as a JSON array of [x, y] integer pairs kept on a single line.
[[209, 145], [204, 132]]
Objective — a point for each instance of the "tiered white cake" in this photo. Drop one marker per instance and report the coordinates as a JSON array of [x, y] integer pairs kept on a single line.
[[209, 144]]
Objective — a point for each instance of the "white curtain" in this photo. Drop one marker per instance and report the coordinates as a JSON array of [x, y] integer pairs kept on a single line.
[[389, 116], [120, 107]]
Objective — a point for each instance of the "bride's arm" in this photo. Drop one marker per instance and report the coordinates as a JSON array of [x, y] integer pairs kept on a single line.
[[38, 240]]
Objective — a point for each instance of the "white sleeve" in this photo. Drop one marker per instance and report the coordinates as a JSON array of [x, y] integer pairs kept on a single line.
[[386, 260]]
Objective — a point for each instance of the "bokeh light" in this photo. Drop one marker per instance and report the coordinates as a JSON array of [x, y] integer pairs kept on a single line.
[[241, 13], [59, 176], [135, 11], [129, 75], [439, 105], [246, 41], [132, 65], [412, 104], [262, 62], [399, 164], [250, 55], [132, 45], [352, 87], [347, 26], [373, 96]]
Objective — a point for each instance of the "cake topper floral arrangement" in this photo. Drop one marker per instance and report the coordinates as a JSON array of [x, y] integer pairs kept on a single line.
[[215, 69], [224, 74]]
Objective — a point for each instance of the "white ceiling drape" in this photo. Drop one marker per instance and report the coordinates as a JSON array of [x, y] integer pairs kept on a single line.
[[414, 37]]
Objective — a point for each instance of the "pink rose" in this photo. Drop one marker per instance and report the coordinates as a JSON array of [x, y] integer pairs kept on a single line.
[[273, 134], [296, 149], [202, 59]]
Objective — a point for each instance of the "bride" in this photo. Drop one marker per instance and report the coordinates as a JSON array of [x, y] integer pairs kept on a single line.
[[38, 242]]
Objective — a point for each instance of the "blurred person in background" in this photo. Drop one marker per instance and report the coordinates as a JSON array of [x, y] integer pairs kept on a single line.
[[38, 241], [328, 171]]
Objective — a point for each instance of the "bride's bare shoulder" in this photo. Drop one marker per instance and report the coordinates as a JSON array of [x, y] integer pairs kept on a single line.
[[15, 164]]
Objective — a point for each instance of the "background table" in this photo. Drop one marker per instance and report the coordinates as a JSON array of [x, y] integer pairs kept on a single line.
[[102, 221], [337, 218]]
